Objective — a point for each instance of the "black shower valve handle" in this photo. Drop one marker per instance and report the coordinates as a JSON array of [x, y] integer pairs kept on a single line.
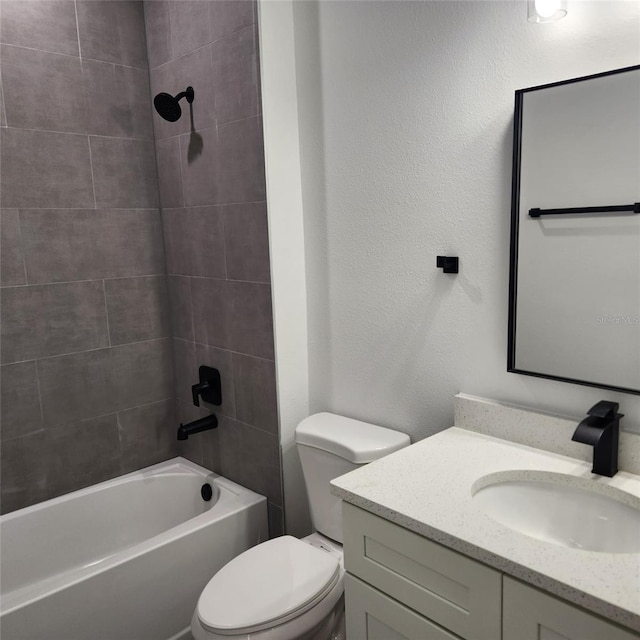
[[197, 390], [209, 388]]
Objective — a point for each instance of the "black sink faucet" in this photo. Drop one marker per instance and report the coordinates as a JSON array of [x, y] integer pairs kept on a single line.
[[600, 430]]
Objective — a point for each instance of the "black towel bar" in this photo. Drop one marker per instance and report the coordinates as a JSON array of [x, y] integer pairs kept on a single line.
[[634, 208]]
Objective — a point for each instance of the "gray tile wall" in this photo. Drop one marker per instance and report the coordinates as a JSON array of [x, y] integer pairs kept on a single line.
[[212, 195], [86, 353]]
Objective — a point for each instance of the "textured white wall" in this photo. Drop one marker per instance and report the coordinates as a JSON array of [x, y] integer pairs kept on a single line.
[[406, 115], [286, 239]]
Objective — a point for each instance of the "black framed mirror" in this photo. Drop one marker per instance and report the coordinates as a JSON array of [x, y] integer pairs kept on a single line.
[[574, 291]]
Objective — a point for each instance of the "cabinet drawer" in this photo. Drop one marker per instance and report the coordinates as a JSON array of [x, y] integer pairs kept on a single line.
[[373, 616], [530, 614], [454, 591]]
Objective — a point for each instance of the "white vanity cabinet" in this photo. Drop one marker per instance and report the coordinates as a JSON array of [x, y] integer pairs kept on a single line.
[[402, 586], [530, 614], [371, 615], [451, 595]]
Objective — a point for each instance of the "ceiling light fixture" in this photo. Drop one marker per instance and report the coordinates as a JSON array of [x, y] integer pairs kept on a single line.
[[546, 10]]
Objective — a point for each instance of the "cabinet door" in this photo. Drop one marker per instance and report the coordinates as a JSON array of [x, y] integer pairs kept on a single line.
[[371, 615], [529, 614], [456, 592]]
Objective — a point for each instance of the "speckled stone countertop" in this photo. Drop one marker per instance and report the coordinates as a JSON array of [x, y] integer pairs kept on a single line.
[[427, 488]]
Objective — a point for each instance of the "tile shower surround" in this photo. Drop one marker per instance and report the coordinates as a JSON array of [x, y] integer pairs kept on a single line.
[[212, 196], [90, 322], [86, 376]]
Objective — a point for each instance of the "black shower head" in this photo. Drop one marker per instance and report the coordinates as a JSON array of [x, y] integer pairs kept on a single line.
[[169, 107]]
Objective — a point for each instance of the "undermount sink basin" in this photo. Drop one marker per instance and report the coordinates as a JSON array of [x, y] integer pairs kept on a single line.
[[563, 510]]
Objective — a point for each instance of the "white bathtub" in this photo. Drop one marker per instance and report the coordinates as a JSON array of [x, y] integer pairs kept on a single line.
[[125, 559]]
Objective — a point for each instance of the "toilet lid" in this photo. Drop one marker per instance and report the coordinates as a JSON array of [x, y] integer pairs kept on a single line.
[[270, 583]]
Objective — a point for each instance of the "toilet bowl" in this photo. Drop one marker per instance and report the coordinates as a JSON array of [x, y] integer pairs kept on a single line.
[[289, 588], [283, 589]]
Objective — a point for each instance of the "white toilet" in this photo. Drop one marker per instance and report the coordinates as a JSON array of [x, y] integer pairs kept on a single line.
[[286, 588]]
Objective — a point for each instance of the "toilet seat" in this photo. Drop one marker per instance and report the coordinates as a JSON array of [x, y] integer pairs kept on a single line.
[[266, 586]]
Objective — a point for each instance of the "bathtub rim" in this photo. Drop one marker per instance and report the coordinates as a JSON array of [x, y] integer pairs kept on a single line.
[[178, 463], [232, 499]]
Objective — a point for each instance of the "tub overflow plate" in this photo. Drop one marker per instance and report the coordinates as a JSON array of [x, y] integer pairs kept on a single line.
[[206, 492]]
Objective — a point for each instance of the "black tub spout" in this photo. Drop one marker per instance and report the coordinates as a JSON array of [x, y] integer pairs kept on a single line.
[[204, 424]]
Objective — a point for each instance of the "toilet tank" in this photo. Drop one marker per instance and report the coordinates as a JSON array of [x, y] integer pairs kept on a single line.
[[330, 446]]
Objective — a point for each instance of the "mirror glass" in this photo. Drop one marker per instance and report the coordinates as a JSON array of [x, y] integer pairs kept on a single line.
[[574, 304]]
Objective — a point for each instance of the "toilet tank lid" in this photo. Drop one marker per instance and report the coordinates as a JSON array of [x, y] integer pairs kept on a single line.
[[356, 441]]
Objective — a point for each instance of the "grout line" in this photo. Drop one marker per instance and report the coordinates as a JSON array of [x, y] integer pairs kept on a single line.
[[235, 32], [99, 135], [145, 404], [233, 280], [183, 55], [171, 32], [93, 181], [193, 315], [35, 362], [253, 426], [215, 111], [224, 124], [149, 275], [22, 251], [180, 168], [3, 107], [75, 8], [207, 44], [144, 34], [154, 142], [120, 434], [235, 379], [258, 67], [106, 311], [152, 209], [20, 436], [210, 346], [60, 425], [48, 284], [76, 133], [208, 206], [73, 55], [224, 245], [115, 64], [75, 353], [69, 133]]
